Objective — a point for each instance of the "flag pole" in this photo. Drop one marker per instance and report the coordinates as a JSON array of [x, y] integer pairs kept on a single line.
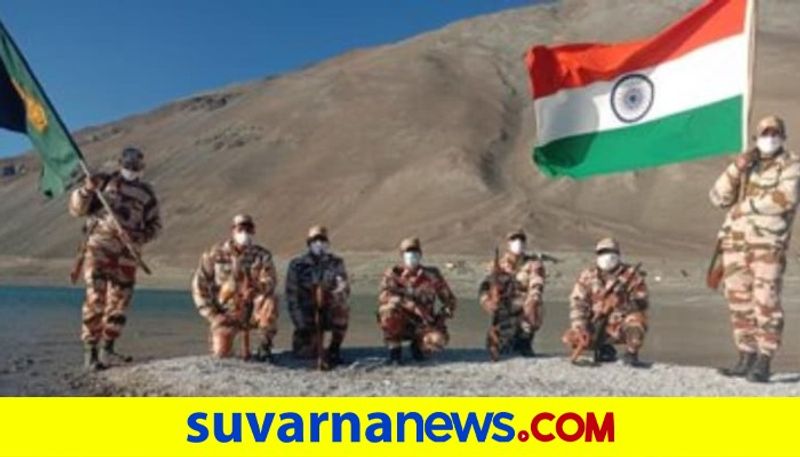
[[752, 19], [123, 235]]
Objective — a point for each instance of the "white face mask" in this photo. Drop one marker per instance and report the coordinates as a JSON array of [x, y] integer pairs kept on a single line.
[[516, 246], [768, 145], [242, 238], [130, 175], [318, 247], [411, 259], [608, 261]]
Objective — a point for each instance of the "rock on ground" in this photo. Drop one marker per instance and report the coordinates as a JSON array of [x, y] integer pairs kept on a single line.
[[464, 372]]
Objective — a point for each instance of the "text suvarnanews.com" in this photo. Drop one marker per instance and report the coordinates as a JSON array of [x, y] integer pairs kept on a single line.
[[399, 427]]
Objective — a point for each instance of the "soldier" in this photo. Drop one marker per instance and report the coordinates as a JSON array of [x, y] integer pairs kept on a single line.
[[608, 306], [512, 295], [406, 305], [110, 269], [760, 191], [317, 290], [234, 289]]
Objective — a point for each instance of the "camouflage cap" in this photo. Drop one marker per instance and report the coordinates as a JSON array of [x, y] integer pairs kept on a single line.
[[517, 233], [607, 244], [131, 159], [771, 122], [243, 219], [317, 231], [410, 244]]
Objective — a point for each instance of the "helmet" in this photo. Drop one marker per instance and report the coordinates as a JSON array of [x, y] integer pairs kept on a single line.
[[243, 219], [317, 231], [131, 159], [771, 122], [518, 233], [607, 244], [410, 244]]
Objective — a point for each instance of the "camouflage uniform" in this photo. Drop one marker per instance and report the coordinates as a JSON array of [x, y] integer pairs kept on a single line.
[[753, 241], [623, 290], [519, 280], [109, 269], [305, 272], [244, 270], [406, 306]]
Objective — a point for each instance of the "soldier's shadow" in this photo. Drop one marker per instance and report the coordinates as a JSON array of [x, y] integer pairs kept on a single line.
[[369, 358]]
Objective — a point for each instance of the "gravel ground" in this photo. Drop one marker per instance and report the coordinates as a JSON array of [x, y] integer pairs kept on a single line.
[[457, 372]]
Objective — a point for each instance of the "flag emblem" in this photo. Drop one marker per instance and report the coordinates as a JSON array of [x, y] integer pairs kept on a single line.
[[33, 109], [632, 97]]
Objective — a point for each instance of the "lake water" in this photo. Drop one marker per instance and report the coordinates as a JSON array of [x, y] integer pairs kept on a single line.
[[40, 348]]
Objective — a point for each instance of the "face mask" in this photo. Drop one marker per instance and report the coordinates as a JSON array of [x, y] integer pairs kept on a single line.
[[768, 145], [608, 261], [516, 246], [130, 175], [318, 247], [411, 259], [242, 238]]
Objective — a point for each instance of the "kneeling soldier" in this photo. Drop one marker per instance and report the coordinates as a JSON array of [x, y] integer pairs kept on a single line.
[[512, 294], [406, 305], [234, 289], [316, 294], [608, 306]]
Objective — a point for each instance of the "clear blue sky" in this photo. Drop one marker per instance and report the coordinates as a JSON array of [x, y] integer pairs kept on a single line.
[[100, 60]]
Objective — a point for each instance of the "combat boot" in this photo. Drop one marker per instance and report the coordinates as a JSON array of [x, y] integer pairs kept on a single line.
[[91, 361], [416, 352], [759, 372], [334, 355], [742, 367], [605, 353], [395, 356], [108, 355], [631, 359], [524, 345], [264, 352]]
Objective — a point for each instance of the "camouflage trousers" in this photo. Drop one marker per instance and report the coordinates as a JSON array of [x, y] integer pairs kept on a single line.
[[262, 317], [512, 321], [752, 286], [628, 329], [110, 274], [399, 325], [334, 318]]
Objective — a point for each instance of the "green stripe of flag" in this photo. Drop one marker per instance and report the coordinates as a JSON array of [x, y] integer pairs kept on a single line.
[[701, 132]]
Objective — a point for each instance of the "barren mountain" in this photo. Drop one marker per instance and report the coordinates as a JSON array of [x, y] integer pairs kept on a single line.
[[430, 136]]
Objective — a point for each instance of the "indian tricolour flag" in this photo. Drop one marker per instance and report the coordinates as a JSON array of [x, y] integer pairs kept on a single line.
[[683, 94]]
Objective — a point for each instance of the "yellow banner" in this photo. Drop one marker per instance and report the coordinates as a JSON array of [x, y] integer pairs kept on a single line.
[[399, 426]]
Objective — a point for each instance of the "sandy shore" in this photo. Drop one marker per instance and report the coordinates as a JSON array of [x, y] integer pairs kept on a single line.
[[453, 373]]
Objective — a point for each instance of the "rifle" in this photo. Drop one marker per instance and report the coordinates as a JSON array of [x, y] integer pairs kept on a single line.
[[493, 337], [600, 321], [716, 270], [318, 304], [242, 309]]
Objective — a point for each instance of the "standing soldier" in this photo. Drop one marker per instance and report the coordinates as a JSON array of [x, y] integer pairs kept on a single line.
[[317, 290], [760, 191], [110, 268], [234, 289], [608, 306], [512, 295], [406, 305]]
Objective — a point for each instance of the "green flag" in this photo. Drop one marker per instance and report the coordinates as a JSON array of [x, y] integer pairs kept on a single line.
[[24, 108]]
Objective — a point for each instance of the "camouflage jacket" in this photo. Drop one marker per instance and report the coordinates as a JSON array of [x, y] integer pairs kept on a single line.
[[521, 280], [307, 271], [225, 263], [134, 203], [763, 218], [419, 288], [587, 298]]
